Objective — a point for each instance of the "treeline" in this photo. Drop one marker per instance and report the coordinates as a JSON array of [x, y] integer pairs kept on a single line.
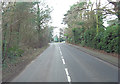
[[24, 26], [85, 26]]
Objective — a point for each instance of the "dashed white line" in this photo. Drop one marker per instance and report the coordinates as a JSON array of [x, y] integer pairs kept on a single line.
[[63, 61], [66, 70], [68, 77], [60, 52]]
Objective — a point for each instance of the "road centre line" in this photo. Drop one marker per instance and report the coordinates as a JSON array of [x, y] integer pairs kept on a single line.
[[63, 61], [61, 57], [68, 77], [66, 70], [60, 52]]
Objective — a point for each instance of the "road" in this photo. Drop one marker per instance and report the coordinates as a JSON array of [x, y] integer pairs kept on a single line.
[[63, 63]]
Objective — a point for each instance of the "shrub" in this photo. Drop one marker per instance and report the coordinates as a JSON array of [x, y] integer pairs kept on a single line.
[[83, 43], [89, 36], [97, 40], [110, 39]]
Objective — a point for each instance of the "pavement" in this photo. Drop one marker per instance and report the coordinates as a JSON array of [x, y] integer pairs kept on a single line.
[[61, 62]]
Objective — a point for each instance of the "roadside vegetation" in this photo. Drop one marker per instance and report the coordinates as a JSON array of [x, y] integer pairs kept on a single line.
[[85, 25], [25, 31]]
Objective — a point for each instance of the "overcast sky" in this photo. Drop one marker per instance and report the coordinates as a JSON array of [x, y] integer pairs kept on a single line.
[[60, 7]]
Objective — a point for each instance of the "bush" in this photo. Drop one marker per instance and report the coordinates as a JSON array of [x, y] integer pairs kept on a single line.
[[106, 40], [110, 39], [89, 36], [97, 41], [83, 43], [113, 45]]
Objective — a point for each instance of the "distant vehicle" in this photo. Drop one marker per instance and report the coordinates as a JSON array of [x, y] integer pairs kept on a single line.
[[56, 38]]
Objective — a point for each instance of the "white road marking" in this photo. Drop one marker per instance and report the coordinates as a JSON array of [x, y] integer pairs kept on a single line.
[[63, 61], [66, 70], [68, 77], [60, 52]]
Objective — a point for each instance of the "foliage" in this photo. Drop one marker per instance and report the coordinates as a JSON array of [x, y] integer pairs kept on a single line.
[[25, 25], [110, 39], [85, 27], [89, 36]]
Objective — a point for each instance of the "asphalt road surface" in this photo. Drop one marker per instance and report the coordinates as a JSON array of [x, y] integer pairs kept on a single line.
[[64, 63]]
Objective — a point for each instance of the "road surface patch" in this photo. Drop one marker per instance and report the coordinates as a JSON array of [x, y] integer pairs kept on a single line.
[[61, 57], [106, 63]]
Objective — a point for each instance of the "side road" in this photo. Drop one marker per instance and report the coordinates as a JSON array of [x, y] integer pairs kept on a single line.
[[107, 58]]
